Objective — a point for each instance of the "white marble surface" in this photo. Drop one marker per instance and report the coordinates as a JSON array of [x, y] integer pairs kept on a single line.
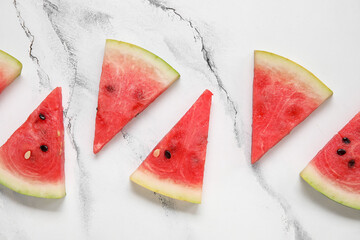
[[210, 43]]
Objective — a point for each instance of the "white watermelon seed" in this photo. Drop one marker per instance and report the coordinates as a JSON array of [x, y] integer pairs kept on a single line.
[[27, 155], [156, 153]]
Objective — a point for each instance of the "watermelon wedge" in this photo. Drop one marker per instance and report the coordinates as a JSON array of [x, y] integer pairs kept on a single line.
[[32, 159], [284, 94], [175, 167], [10, 69], [131, 79], [335, 170]]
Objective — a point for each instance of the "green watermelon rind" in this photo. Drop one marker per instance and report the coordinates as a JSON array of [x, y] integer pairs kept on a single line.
[[11, 64], [329, 188], [169, 74], [167, 187], [273, 60], [164, 74], [31, 188], [17, 177]]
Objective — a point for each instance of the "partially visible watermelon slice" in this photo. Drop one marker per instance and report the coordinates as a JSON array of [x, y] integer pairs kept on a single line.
[[32, 159], [175, 167], [10, 68], [131, 79], [335, 170], [284, 94]]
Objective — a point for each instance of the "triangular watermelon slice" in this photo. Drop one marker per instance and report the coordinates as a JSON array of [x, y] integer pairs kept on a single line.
[[32, 159], [131, 79], [10, 68], [335, 170], [175, 167], [284, 94]]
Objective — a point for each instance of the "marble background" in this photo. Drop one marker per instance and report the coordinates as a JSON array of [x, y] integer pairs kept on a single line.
[[210, 43]]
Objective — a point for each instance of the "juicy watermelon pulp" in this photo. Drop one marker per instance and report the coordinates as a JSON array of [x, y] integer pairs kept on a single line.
[[131, 79], [175, 167], [284, 94], [10, 69], [335, 170], [32, 159]]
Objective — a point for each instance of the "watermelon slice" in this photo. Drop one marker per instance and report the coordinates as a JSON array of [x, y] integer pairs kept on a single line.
[[175, 167], [284, 94], [131, 79], [32, 159], [335, 170], [10, 68]]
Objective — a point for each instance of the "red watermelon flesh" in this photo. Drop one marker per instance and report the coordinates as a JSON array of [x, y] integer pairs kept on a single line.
[[284, 94], [131, 79], [175, 167], [10, 69], [32, 159], [335, 170]]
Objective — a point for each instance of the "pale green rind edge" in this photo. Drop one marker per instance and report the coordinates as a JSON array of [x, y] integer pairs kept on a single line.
[[329, 189], [13, 61], [173, 75], [326, 92], [38, 189], [166, 187]]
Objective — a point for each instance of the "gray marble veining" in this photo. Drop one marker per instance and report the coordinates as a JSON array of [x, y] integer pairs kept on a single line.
[[43, 77], [207, 55]]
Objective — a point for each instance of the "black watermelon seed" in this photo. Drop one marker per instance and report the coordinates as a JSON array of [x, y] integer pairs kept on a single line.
[[41, 116], [167, 154], [341, 152], [346, 140], [96, 109], [44, 148], [110, 88], [351, 163]]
